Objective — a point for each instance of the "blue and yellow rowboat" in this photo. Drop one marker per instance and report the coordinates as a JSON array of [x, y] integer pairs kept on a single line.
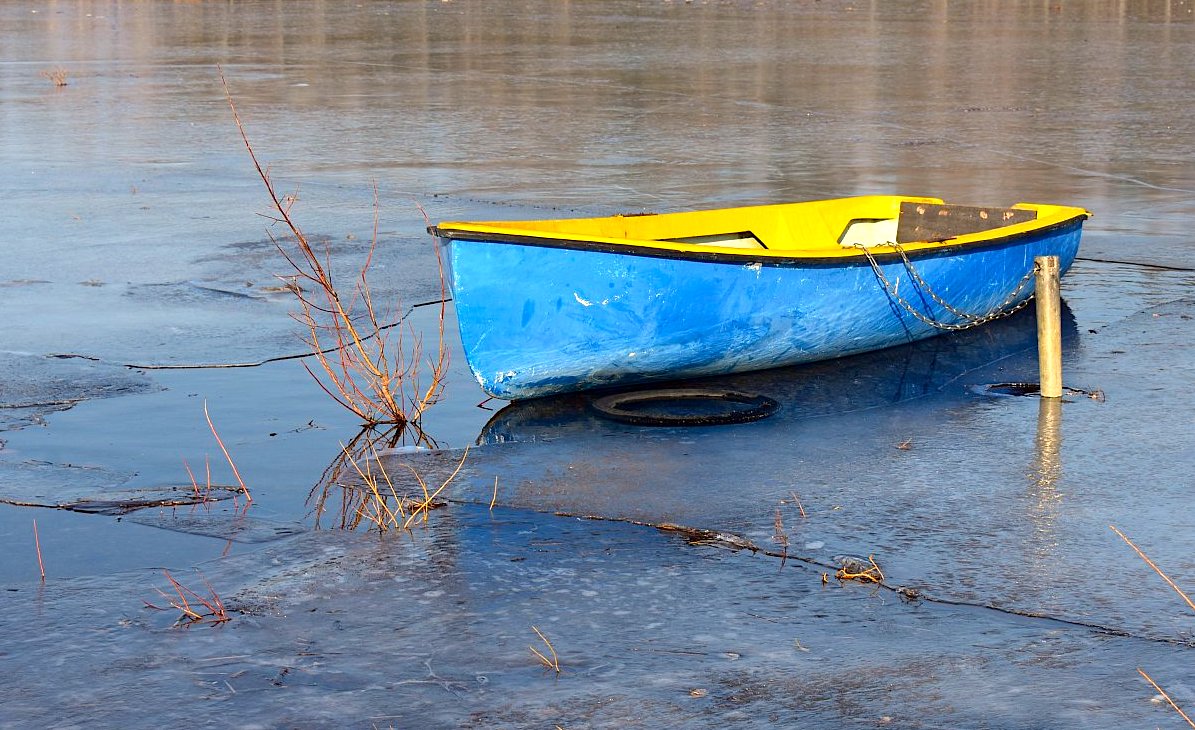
[[551, 306]]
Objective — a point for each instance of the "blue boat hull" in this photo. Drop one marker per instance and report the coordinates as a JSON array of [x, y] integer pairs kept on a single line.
[[537, 320]]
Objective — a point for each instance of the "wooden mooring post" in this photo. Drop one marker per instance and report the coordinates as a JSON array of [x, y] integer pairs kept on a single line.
[[1049, 326]]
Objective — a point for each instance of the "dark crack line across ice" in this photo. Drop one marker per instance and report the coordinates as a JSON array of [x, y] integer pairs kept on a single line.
[[730, 541]]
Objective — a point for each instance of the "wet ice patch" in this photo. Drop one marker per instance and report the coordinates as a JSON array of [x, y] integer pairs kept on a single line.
[[33, 386], [226, 524], [638, 643], [48, 484]]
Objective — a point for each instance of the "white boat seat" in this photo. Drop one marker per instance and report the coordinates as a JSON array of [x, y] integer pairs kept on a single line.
[[869, 232]]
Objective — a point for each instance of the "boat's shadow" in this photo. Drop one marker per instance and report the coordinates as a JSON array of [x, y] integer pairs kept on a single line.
[[837, 423], [936, 367]]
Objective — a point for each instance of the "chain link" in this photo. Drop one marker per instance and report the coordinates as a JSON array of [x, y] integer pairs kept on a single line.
[[1003, 309]]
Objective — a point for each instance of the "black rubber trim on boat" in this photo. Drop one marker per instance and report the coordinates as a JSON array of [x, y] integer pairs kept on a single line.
[[619, 407], [746, 257]]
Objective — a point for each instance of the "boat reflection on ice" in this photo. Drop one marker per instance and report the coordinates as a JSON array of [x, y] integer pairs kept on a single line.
[[916, 370]]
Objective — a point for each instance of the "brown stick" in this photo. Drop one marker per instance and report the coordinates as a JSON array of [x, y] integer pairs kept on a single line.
[[1157, 570], [798, 502], [37, 544], [194, 483], [1164, 695], [235, 471]]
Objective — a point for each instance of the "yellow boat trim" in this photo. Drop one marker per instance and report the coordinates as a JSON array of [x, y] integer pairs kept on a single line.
[[813, 229]]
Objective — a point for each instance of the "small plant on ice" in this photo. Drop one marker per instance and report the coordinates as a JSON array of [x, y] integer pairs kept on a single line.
[[853, 570], [56, 76], [553, 662], [193, 607], [202, 497]]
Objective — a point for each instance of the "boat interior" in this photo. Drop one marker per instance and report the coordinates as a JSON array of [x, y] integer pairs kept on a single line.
[[845, 223], [825, 227]]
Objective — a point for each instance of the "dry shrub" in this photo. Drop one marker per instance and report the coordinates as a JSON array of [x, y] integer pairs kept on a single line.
[[56, 76], [193, 607], [371, 362]]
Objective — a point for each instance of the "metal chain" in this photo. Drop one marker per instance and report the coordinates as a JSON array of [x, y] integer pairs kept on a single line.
[[1003, 309]]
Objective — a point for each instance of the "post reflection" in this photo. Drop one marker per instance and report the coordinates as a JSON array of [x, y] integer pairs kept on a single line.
[[1044, 477]]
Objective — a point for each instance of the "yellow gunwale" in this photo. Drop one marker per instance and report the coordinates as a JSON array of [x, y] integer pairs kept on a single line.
[[780, 226]]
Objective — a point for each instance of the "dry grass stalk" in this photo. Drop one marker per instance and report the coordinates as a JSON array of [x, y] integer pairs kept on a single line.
[[367, 441], [37, 544], [56, 75], [375, 508], [867, 575], [1177, 590], [378, 503], [797, 501], [421, 507], [205, 496], [367, 364], [494, 499], [1157, 570], [194, 608], [236, 472], [194, 482], [554, 662], [1165, 696]]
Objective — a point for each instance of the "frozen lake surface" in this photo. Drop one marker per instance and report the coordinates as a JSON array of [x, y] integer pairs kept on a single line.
[[131, 243]]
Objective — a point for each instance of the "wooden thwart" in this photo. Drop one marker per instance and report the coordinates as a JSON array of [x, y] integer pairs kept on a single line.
[[934, 222]]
